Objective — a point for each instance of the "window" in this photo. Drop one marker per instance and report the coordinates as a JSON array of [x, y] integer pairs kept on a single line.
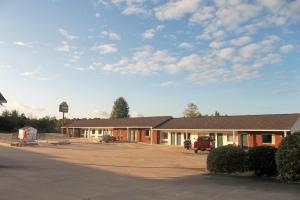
[[267, 138], [229, 137], [164, 135], [147, 133], [212, 136]]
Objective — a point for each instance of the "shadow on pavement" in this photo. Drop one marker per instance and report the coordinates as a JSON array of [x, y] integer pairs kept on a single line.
[[26, 175]]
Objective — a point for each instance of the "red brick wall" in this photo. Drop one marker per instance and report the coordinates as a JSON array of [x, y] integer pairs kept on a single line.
[[278, 138], [255, 139], [143, 138], [123, 133]]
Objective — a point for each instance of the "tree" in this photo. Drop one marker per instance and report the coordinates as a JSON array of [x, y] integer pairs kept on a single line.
[[120, 108], [217, 114], [191, 111]]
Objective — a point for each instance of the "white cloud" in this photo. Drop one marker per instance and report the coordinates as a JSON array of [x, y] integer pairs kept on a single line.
[[185, 45], [136, 114], [105, 48], [215, 44], [5, 66], [287, 48], [89, 68], [168, 84], [226, 53], [22, 44], [150, 33], [224, 64], [67, 35], [38, 74], [100, 114], [241, 41], [176, 9], [265, 46], [28, 110], [135, 9], [249, 50], [144, 61], [65, 47], [285, 91], [111, 35], [97, 15]]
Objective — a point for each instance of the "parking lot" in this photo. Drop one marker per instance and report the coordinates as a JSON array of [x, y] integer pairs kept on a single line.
[[132, 159], [127, 171]]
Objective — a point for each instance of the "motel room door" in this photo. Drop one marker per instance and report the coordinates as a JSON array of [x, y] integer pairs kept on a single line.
[[244, 140], [219, 140], [172, 138], [178, 135]]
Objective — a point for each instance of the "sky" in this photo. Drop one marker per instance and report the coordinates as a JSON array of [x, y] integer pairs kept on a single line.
[[237, 57]]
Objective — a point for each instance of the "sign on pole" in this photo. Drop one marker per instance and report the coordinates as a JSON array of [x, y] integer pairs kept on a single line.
[[64, 108]]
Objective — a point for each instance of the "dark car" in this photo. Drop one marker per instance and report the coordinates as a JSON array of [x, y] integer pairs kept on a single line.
[[204, 143], [107, 138]]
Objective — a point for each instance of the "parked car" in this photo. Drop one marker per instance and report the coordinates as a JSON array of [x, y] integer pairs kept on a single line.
[[107, 138], [204, 143]]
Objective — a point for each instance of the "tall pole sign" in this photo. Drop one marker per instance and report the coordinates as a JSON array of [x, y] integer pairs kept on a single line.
[[64, 108]]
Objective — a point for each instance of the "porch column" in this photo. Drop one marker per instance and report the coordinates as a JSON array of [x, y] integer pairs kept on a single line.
[[182, 139], [234, 137], [151, 136], [285, 133], [128, 134], [169, 138]]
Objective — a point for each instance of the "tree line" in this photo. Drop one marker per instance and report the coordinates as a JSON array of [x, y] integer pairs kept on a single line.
[[11, 121]]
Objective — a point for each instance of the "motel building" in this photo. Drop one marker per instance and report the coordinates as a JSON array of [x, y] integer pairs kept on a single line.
[[245, 131]]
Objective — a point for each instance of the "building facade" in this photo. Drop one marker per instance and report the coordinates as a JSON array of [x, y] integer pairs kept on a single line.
[[246, 131]]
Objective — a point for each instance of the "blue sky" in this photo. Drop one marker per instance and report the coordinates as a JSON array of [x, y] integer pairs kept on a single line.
[[237, 57]]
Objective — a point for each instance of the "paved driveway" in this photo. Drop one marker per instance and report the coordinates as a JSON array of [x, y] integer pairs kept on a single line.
[[122, 171]]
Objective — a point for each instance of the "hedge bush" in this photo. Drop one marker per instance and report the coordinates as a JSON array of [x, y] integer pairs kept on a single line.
[[226, 159], [261, 160], [288, 159]]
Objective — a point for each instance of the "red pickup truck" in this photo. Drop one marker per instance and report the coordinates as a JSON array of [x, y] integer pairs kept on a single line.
[[204, 143]]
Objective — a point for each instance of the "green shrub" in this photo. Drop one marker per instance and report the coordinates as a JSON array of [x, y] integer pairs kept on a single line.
[[226, 159], [261, 160], [288, 159]]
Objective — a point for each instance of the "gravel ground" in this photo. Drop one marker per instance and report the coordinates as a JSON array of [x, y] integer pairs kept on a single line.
[[126, 171]]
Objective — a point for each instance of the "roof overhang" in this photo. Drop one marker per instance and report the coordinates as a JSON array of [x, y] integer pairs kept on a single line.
[[226, 130], [115, 127]]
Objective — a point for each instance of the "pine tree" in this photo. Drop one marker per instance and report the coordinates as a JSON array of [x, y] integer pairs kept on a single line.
[[120, 109]]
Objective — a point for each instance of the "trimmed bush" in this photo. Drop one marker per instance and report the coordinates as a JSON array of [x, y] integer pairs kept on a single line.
[[288, 159], [226, 159], [261, 160]]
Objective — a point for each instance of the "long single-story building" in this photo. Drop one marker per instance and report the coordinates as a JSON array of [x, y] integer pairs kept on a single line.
[[245, 130], [137, 129]]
